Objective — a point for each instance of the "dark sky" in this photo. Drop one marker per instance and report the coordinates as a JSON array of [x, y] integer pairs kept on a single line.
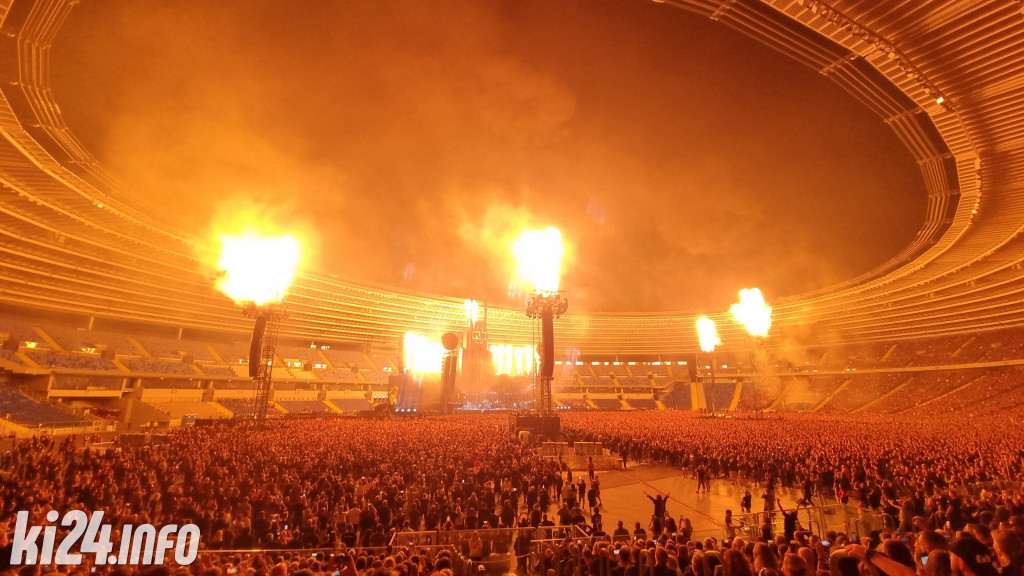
[[681, 160]]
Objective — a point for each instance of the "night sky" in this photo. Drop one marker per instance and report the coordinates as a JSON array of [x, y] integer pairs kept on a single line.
[[408, 141]]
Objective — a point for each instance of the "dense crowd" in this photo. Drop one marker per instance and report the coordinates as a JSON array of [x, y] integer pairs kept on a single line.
[[869, 458], [372, 485]]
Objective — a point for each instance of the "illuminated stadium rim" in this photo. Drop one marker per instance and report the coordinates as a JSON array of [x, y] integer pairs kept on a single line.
[[947, 78]]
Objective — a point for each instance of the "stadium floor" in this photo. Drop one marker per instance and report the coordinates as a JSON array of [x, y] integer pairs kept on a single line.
[[622, 494]]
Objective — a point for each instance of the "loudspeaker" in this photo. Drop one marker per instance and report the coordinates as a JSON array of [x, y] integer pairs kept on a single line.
[[256, 345], [450, 340], [547, 342]]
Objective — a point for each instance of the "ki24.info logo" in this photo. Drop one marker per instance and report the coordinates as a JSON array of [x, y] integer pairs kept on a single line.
[[142, 544]]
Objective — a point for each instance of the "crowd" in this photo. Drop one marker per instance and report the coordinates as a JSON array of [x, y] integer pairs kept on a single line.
[[372, 485], [869, 458]]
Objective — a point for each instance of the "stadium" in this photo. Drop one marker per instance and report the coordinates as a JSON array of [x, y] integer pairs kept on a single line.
[[880, 413]]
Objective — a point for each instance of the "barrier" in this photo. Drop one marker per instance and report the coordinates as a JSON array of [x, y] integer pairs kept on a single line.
[[336, 556]]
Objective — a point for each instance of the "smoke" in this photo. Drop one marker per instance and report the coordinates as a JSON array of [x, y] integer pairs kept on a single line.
[[680, 160]]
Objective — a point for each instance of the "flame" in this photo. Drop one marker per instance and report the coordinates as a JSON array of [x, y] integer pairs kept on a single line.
[[539, 254], [707, 334], [472, 312], [257, 269], [513, 360], [421, 354], [752, 312]]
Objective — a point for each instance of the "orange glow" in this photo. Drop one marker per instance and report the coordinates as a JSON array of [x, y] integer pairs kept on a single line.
[[539, 255], [752, 312], [513, 360], [421, 354], [707, 333], [257, 269]]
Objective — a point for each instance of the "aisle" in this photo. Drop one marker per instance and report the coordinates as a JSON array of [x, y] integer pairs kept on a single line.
[[623, 495]]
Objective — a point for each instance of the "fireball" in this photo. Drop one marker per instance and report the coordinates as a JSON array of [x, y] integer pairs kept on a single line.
[[422, 355], [257, 269], [752, 312], [707, 334], [539, 255]]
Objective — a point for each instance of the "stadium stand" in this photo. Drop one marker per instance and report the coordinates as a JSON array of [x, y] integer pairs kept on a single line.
[[597, 382], [72, 361], [642, 370], [173, 349], [342, 359], [181, 409], [864, 389], [922, 388], [159, 367], [11, 356], [642, 403], [351, 404], [375, 376], [617, 368], [79, 382], [607, 403], [304, 407], [678, 398], [23, 410], [633, 382], [303, 354], [169, 383], [236, 405], [233, 353], [16, 330], [574, 403], [719, 395], [944, 75], [75, 340], [343, 375]]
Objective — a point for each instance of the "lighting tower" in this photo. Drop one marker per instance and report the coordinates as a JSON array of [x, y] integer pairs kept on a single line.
[[546, 306], [539, 254], [255, 272], [261, 354]]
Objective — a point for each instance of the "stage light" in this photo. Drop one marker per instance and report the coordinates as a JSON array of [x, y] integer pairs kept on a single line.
[[752, 312]]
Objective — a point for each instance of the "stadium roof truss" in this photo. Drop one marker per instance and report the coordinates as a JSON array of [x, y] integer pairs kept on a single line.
[[947, 76]]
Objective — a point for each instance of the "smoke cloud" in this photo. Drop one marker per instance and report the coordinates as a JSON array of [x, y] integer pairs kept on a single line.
[[408, 141]]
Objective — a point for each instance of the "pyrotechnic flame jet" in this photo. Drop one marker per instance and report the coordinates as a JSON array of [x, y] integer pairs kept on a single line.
[[539, 255], [752, 312], [707, 334], [257, 269]]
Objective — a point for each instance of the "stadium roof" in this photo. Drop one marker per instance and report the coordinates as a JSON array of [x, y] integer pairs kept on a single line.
[[948, 77]]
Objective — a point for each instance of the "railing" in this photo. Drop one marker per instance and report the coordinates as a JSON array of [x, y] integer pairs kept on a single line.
[[500, 542], [815, 519], [8, 426], [337, 558]]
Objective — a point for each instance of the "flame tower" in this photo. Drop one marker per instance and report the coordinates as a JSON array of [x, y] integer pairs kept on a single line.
[[546, 306], [256, 272]]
